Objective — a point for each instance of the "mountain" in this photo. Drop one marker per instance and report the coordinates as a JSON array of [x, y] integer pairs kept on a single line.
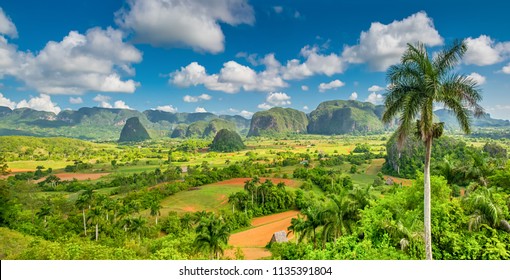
[[103, 124], [227, 141], [451, 122], [133, 131], [277, 121], [345, 116]]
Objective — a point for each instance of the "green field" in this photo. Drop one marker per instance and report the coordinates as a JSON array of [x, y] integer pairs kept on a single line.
[[209, 198]]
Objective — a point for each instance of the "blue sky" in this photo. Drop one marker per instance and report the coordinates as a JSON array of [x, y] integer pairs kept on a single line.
[[235, 56]]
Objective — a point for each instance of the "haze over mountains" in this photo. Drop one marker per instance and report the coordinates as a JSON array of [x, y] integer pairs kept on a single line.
[[103, 124]]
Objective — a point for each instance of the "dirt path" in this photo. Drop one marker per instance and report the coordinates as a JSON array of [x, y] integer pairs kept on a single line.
[[253, 240], [404, 182]]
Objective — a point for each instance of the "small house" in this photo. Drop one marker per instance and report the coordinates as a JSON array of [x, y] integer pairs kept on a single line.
[[279, 237]]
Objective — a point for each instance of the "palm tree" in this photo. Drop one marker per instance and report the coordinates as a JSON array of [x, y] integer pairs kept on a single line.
[[155, 208], [416, 84], [95, 217], [212, 235], [310, 225], [485, 211], [84, 200], [296, 226]]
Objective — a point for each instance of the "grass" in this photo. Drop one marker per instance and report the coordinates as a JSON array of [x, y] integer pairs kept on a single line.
[[32, 164], [209, 197]]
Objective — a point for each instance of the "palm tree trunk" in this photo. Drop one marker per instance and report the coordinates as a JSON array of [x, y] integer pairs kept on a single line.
[[156, 219], [84, 222], [426, 200], [97, 231]]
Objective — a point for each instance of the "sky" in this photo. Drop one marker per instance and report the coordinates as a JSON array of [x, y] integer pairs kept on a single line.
[[236, 56]]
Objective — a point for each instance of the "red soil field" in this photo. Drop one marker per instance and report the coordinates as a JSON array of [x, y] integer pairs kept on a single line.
[[253, 241]]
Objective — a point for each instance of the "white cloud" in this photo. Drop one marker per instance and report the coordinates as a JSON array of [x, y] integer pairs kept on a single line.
[[200, 110], [305, 108], [275, 99], [41, 103], [232, 77], [246, 114], [331, 85], [7, 27], [383, 45], [77, 64], [353, 96], [375, 98], [479, 79], [175, 23], [6, 102], [189, 98], [264, 106], [167, 108], [278, 9], [500, 111], [506, 69], [375, 88], [103, 101], [235, 73], [304, 88], [119, 104], [315, 63], [483, 51], [75, 100], [101, 98]]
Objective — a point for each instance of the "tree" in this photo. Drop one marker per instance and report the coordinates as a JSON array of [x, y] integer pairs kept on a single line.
[[84, 200], [155, 208], [212, 235], [95, 216], [4, 168], [485, 210], [416, 84]]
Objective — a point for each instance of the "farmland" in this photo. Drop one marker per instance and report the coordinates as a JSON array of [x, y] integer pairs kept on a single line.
[[155, 199]]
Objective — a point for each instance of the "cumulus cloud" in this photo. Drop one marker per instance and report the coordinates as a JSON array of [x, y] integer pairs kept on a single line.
[[79, 63], [315, 63], [383, 45], [75, 100], [246, 114], [7, 27], [175, 23], [200, 110], [189, 98], [304, 88], [274, 99], [353, 96], [375, 88], [305, 108], [167, 108], [6, 102], [331, 85], [506, 69], [40, 103], [232, 77], [479, 79], [119, 104], [375, 98], [484, 50]]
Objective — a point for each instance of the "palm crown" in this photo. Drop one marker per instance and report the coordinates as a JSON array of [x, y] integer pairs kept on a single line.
[[418, 82]]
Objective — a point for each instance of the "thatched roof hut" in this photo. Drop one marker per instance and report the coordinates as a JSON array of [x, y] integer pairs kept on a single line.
[[279, 237]]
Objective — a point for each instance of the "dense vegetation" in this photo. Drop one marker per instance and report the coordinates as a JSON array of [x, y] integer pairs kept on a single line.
[[133, 131], [227, 141], [341, 117], [278, 121]]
